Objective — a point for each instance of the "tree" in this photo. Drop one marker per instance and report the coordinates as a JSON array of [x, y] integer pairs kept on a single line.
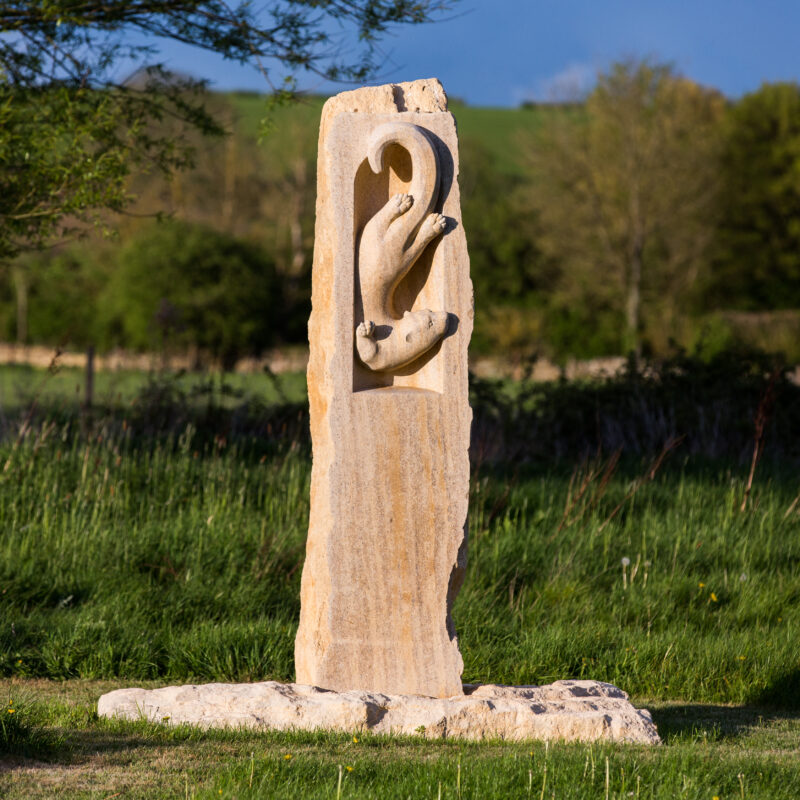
[[624, 191], [188, 286], [71, 131], [286, 202], [758, 258], [502, 257], [259, 189], [61, 290], [505, 264]]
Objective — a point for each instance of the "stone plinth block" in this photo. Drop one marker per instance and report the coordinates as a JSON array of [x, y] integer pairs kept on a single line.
[[566, 710], [387, 382]]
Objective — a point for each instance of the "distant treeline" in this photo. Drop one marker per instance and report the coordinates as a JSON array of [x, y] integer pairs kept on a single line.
[[651, 216]]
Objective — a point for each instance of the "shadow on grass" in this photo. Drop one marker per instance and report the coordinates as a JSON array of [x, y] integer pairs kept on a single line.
[[257, 429], [779, 701], [716, 722], [62, 747], [784, 692], [105, 740]]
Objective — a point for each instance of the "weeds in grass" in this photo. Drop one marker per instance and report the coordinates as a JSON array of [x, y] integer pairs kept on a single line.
[[648, 476], [22, 734], [591, 478]]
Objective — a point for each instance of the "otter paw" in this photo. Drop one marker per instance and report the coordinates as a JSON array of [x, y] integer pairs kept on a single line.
[[366, 329], [437, 223], [402, 202]]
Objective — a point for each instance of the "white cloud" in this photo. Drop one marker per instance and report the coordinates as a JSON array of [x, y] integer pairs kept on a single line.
[[571, 83]]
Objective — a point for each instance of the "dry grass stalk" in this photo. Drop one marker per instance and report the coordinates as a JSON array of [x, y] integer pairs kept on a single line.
[[766, 406], [648, 476], [595, 476], [24, 427]]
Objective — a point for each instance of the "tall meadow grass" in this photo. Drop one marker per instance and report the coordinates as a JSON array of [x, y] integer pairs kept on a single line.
[[179, 558]]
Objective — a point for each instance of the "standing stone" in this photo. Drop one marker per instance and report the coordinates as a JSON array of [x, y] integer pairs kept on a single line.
[[387, 384]]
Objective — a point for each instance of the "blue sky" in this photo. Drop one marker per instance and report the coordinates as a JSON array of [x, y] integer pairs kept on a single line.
[[501, 52]]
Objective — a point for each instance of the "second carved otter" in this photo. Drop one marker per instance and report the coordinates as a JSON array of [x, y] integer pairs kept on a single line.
[[390, 245]]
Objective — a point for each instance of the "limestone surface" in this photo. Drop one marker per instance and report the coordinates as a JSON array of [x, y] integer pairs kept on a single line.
[[387, 381], [565, 710]]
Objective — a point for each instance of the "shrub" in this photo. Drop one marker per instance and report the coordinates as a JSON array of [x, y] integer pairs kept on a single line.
[[189, 286]]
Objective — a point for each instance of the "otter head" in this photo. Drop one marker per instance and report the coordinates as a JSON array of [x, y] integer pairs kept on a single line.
[[409, 338], [422, 329]]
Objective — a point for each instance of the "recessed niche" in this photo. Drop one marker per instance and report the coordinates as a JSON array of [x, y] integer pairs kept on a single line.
[[423, 287]]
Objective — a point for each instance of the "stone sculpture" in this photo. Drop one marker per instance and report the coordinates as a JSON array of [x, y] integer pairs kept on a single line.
[[391, 243], [376, 648], [390, 418]]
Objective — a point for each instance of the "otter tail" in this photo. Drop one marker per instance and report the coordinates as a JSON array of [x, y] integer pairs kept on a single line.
[[425, 175]]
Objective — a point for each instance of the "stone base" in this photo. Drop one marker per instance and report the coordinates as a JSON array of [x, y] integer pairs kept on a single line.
[[566, 710]]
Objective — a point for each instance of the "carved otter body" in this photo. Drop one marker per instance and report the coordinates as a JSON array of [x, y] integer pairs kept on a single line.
[[390, 245]]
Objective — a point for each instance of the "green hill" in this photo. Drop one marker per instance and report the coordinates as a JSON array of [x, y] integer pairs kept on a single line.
[[496, 129]]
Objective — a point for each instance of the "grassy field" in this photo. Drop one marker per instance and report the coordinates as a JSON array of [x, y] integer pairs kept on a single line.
[[23, 385], [709, 751], [133, 558], [497, 129]]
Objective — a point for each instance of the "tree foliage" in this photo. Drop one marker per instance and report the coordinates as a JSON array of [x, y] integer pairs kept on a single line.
[[508, 272], [624, 190], [503, 258], [57, 298], [71, 131], [66, 152], [715, 185], [758, 258], [189, 287]]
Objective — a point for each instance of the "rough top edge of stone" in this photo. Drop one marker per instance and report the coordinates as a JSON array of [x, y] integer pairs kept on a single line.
[[425, 96], [578, 689]]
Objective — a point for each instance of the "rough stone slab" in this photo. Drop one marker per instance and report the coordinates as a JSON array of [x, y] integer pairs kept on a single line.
[[565, 710], [386, 547]]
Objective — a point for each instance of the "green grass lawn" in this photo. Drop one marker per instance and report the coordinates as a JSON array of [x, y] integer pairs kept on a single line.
[[132, 559], [709, 751], [65, 388]]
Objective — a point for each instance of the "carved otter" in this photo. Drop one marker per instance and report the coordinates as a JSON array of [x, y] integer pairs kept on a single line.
[[390, 245]]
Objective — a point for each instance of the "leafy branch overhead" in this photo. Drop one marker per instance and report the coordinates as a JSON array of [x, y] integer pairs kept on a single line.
[[72, 127]]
